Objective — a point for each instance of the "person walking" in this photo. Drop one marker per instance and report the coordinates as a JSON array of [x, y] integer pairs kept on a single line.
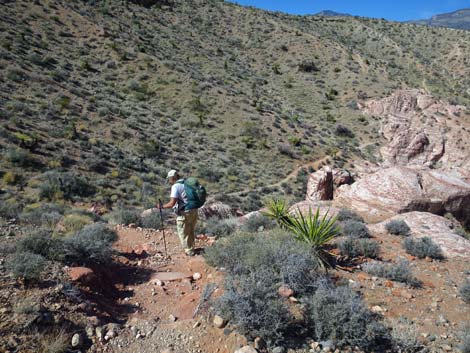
[[185, 219]]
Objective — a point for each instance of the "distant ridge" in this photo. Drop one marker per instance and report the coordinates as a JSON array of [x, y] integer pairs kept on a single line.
[[332, 14], [459, 19]]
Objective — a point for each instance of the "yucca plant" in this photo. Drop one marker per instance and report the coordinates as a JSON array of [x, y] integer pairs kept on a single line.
[[316, 231], [278, 210]]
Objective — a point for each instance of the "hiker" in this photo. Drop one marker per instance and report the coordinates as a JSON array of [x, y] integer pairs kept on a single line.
[[186, 196]]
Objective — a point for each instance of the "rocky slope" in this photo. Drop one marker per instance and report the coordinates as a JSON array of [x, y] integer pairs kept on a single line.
[[459, 19], [119, 93]]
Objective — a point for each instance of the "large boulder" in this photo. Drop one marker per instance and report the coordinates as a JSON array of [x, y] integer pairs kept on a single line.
[[218, 210], [322, 183], [439, 229], [304, 207], [394, 190], [423, 131]]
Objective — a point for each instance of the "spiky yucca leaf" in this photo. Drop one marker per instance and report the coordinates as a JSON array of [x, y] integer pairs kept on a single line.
[[316, 231], [279, 211]]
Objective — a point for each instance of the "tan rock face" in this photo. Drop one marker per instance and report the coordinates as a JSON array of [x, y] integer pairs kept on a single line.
[[423, 131], [439, 229], [394, 190]]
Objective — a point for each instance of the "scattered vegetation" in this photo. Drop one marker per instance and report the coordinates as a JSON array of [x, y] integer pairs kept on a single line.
[[355, 229], [398, 227], [399, 272], [423, 247], [220, 227], [465, 291], [338, 314], [27, 265], [352, 247]]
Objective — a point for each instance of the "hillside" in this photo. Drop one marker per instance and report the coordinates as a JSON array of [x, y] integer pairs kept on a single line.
[[459, 19], [100, 99]]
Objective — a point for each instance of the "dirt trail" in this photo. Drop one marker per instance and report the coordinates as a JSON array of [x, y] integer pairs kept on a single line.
[[163, 312], [315, 164]]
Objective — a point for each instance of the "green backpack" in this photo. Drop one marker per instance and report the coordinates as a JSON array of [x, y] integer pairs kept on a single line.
[[195, 192]]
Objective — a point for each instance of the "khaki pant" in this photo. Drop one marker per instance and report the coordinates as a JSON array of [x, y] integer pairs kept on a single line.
[[185, 225]]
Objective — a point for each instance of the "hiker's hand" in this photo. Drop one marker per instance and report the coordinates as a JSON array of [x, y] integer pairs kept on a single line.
[[146, 213]]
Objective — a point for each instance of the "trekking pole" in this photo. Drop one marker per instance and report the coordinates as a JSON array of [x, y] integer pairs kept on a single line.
[[163, 225]]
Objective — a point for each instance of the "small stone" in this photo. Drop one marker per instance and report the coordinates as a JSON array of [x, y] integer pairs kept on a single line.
[[447, 348], [197, 276], [168, 350], [285, 292], [219, 322], [246, 349], [89, 332], [158, 283], [377, 309], [172, 318], [196, 324], [293, 300], [77, 340], [279, 350]]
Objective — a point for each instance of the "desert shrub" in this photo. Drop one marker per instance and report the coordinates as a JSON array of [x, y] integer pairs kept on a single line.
[[292, 262], [220, 227], [398, 227], [399, 272], [92, 244], [308, 66], [41, 214], [339, 314], [252, 304], [152, 221], [355, 229], [422, 247], [124, 216], [352, 247], [9, 210], [256, 222], [345, 214], [66, 185], [465, 337], [42, 243], [278, 210], [465, 291], [74, 222], [405, 336], [21, 158], [342, 130], [26, 265]]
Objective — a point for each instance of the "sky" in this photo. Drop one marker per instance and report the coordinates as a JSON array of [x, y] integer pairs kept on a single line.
[[397, 10]]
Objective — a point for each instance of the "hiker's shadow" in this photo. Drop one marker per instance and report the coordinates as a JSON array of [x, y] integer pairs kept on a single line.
[[110, 294]]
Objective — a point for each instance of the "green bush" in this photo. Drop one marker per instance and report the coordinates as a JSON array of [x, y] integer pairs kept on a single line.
[[398, 227], [42, 243], [220, 227], [42, 214], [345, 214], [66, 185], [91, 245], [27, 265], [256, 222], [465, 291], [355, 229], [399, 272], [464, 335], [9, 210], [422, 247], [152, 221], [338, 314], [21, 158], [75, 222], [353, 247], [125, 216], [292, 262], [252, 304]]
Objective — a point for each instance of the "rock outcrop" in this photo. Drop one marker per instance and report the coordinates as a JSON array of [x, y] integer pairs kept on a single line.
[[322, 183], [218, 210], [439, 229], [394, 190], [423, 131]]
